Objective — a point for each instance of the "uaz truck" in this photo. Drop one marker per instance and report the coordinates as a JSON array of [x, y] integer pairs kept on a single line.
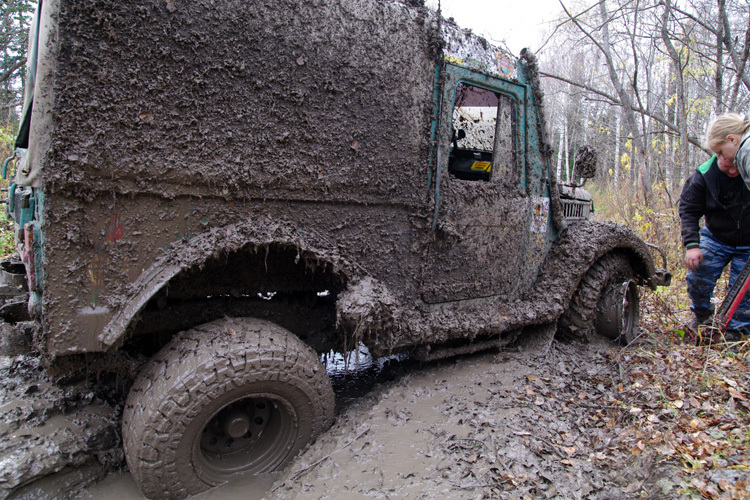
[[209, 195]]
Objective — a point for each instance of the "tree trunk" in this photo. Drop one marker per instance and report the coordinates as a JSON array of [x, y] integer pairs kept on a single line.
[[627, 105], [719, 76], [617, 152], [681, 108], [560, 148]]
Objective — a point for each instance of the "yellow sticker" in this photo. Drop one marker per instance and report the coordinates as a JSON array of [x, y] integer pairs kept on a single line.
[[484, 166]]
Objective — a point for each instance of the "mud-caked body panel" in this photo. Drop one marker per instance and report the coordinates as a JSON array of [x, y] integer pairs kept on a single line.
[[189, 255], [245, 158], [172, 119], [577, 248]]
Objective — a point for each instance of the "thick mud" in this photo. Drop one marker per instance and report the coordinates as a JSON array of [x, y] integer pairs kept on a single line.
[[54, 435], [508, 425], [512, 425]]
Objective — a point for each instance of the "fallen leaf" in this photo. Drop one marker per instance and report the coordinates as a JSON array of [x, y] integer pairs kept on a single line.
[[730, 382], [736, 395]]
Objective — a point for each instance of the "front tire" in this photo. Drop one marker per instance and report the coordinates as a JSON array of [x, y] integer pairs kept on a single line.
[[606, 302], [230, 396]]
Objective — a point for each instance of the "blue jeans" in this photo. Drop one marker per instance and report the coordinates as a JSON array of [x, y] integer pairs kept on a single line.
[[702, 281]]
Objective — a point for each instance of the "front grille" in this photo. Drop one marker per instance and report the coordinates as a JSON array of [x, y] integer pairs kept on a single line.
[[574, 209]]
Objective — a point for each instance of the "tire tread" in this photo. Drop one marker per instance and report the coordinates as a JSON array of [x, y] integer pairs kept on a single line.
[[198, 366]]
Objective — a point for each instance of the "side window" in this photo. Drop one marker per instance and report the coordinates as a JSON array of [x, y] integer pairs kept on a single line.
[[483, 135]]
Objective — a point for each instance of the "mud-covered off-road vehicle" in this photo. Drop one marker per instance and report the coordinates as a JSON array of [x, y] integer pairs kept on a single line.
[[209, 195]]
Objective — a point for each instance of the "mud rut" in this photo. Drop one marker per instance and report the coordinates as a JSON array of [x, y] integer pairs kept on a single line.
[[511, 425]]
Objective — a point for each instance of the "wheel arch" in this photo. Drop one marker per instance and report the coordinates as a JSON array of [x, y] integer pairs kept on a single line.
[[582, 244], [199, 256]]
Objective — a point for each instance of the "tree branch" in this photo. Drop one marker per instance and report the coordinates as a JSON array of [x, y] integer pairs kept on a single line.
[[18, 64], [612, 100], [730, 45]]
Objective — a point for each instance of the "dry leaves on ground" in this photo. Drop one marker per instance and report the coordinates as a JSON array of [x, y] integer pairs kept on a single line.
[[691, 406]]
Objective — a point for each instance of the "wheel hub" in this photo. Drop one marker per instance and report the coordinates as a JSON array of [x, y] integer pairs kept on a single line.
[[236, 423], [236, 428], [617, 311]]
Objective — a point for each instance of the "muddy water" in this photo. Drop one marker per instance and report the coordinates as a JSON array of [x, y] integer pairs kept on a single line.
[[353, 376], [492, 425], [120, 486]]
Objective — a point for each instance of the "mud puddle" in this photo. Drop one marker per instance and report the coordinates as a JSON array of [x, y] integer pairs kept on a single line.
[[512, 425], [120, 486], [353, 376]]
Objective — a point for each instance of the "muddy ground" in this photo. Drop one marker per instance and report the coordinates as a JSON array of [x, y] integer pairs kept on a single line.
[[518, 424]]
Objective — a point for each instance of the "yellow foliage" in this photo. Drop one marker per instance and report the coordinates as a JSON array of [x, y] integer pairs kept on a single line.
[[625, 161], [702, 106]]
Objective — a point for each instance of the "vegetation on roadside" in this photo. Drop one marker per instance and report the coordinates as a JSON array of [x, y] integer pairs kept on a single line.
[[16, 18], [686, 406], [7, 247]]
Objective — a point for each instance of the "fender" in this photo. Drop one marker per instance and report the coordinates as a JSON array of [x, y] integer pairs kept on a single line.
[[181, 256], [579, 246]]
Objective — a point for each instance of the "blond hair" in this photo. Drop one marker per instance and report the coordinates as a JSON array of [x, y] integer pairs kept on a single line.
[[723, 125]]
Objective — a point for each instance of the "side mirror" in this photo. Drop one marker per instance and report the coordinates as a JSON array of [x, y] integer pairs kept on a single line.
[[585, 163]]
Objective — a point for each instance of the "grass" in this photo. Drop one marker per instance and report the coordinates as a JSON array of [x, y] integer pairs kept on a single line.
[[7, 245]]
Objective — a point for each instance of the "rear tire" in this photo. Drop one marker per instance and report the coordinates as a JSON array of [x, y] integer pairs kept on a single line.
[[230, 396], [606, 302]]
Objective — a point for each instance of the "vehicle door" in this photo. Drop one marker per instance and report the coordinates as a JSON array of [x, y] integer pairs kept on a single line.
[[488, 228]]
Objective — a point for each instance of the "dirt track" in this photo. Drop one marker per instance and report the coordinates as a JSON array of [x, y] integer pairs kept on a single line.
[[510, 425]]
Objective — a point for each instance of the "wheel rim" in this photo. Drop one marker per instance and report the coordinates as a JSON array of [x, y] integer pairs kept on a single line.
[[617, 311], [251, 434]]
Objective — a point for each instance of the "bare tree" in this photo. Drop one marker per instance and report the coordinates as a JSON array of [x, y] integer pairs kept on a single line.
[[15, 16], [681, 108], [668, 69]]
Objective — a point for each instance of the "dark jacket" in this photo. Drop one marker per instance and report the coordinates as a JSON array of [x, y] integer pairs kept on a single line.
[[724, 201]]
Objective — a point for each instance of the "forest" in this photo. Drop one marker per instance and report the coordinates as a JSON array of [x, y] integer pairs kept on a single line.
[[640, 81]]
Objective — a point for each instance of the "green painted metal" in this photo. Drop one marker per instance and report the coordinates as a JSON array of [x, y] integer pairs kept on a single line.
[[6, 162]]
